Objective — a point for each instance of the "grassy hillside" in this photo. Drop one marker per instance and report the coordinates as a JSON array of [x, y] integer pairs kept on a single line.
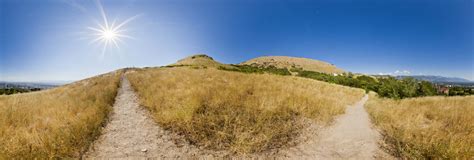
[[429, 127], [239, 112], [55, 123], [294, 62], [199, 60]]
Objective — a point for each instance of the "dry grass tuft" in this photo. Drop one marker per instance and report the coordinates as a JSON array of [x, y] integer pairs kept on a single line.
[[243, 113], [294, 62], [426, 128], [55, 123]]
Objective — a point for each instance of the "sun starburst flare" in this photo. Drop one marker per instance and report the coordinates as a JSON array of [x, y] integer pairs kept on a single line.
[[109, 34]]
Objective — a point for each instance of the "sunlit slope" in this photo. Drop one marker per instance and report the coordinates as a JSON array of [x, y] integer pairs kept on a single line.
[[294, 62], [55, 123], [426, 128], [239, 112], [199, 60]]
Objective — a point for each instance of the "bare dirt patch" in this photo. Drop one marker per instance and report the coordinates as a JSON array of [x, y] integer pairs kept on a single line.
[[351, 137]]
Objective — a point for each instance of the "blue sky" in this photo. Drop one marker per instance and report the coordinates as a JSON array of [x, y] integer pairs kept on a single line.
[[49, 40]]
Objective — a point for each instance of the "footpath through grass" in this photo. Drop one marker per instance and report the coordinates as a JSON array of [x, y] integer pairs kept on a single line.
[[414, 128], [56, 123], [242, 113]]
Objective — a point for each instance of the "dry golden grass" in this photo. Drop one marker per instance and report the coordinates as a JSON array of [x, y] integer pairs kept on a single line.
[[289, 62], [55, 123], [426, 128], [242, 113], [199, 60]]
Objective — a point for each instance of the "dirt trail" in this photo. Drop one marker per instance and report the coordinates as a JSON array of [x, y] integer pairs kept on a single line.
[[131, 133], [351, 137]]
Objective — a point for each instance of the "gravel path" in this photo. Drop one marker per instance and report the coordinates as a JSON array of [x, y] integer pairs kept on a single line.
[[351, 137], [130, 133]]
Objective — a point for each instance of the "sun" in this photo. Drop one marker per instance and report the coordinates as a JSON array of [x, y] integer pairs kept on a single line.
[[109, 34]]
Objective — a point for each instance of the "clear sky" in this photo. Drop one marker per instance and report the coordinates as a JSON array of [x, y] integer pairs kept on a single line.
[[49, 40]]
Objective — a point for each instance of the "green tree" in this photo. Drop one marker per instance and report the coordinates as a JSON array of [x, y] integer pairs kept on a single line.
[[409, 87], [426, 89], [368, 83], [390, 87]]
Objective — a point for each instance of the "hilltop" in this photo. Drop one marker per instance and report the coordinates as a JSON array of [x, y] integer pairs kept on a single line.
[[278, 62], [198, 60], [294, 62]]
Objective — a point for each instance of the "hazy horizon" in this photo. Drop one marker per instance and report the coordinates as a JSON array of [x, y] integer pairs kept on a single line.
[[52, 41], [72, 80]]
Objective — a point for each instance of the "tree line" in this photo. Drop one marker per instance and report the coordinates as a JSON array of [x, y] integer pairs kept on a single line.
[[386, 87], [389, 87], [9, 91]]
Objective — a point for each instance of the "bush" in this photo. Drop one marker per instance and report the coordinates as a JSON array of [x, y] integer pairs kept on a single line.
[[426, 89], [460, 91], [255, 69], [9, 91]]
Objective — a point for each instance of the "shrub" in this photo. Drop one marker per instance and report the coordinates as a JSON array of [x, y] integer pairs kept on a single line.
[[255, 69]]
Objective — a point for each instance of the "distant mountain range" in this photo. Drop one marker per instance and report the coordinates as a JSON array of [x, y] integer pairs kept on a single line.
[[438, 79]]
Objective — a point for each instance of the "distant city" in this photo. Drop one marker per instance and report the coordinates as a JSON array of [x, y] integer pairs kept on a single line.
[[27, 85], [9, 88], [439, 80]]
